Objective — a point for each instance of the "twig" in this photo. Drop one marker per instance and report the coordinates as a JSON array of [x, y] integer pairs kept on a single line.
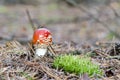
[[8, 77], [115, 57], [92, 16], [51, 50], [30, 46], [47, 70], [70, 76], [30, 20], [4, 70], [102, 54]]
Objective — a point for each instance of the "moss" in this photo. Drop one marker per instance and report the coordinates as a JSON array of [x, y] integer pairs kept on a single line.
[[76, 64]]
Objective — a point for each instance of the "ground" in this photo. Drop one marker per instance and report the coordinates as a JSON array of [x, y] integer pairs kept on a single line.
[[88, 28]]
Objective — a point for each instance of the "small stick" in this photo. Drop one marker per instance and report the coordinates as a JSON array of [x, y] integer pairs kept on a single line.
[[48, 71], [30, 20], [51, 50], [30, 46], [106, 42]]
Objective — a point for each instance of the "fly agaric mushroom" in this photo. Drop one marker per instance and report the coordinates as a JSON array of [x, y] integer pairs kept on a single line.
[[41, 40]]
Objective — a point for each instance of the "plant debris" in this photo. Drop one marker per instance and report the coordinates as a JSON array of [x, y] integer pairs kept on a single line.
[[17, 62]]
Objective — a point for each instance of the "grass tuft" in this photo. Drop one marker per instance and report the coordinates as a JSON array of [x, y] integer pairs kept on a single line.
[[76, 64]]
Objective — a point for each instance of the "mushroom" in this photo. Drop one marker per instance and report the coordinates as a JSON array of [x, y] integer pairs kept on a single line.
[[42, 38]]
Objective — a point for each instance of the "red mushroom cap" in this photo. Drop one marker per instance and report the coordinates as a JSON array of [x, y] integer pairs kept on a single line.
[[42, 36]]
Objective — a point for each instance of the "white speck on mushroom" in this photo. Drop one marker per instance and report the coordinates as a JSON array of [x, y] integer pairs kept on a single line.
[[40, 36]]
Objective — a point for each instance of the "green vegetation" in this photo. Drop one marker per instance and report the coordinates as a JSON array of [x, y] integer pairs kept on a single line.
[[76, 64], [110, 36], [91, 54], [27, 76], [3, 9]]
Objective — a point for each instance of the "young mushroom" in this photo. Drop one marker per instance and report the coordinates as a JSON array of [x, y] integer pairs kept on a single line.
[[42, 38]]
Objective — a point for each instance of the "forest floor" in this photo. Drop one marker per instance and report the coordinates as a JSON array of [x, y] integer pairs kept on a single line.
[[18, 62], [70, 27]]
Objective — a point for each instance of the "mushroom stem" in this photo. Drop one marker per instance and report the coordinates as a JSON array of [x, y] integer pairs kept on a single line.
[[40, 51]]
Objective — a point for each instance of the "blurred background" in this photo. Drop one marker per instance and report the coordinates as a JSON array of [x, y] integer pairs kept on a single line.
[[68, 20]]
